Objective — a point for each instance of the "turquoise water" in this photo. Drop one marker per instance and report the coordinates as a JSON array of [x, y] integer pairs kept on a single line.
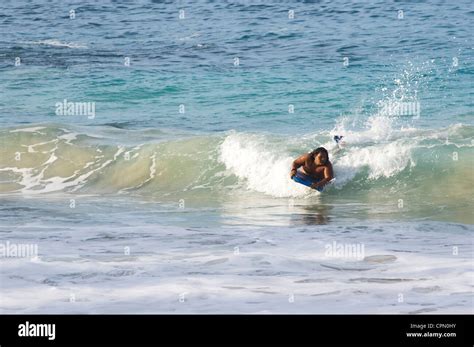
[[190, 61], [187, 152]]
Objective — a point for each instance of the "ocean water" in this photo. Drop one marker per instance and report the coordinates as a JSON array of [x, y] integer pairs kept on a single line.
[[172, 195]]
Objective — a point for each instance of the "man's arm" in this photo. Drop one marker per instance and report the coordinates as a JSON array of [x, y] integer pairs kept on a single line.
[[297, 163], [328, 176]]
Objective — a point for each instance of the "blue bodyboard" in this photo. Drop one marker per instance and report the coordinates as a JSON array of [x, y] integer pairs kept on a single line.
[[306, 180]]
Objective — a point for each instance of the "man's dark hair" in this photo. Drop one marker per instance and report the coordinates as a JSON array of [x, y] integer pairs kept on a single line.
[[318, 150]]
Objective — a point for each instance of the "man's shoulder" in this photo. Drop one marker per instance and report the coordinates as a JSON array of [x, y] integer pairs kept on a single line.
[[305, 156]]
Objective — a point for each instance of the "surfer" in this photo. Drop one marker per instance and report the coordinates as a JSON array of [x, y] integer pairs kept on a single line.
[[316, 169]]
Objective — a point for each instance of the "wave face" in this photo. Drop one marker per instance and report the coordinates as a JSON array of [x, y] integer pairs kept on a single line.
[[378, 159]]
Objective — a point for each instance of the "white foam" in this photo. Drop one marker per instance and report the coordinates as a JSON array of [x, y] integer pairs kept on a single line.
[[56, 43], [27, 130], [167, 264], [68, 137], [262, 169], [185, 38], [379, 147], [265, 169], [381, 160]]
